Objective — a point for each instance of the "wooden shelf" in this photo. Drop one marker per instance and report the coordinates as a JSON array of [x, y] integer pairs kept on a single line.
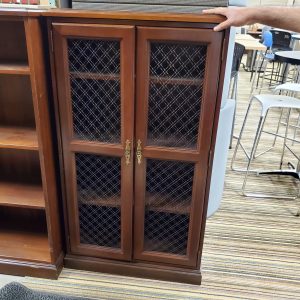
[[17, 68], [107, 202], [21, 195], [170, 141], [94, 76], [177, 81], [160, 203], [18, 138], [24, 244]]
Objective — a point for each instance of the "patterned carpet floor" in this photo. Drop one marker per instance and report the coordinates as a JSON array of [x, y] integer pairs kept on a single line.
[[251, 251]]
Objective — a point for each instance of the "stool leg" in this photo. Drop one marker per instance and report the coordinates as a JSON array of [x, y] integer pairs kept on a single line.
[[238, 143], [233, 96], [278, 125], [259, 136], [285, 137], [295, 129], [259, 128]]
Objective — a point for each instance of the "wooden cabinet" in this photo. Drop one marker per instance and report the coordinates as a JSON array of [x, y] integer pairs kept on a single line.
[[30, 242], [137, 108]]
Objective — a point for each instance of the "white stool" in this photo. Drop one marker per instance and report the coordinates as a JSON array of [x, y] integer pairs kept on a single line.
[[290, 89], [268, 102]]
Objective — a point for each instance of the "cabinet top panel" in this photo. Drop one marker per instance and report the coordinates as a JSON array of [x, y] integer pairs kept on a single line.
[[117, 15]]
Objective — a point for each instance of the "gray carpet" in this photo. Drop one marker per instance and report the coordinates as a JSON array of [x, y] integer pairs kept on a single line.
[[17, 291]]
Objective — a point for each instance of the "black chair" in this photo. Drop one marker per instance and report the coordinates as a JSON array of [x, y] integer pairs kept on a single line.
[[238, 53], [281, 40]]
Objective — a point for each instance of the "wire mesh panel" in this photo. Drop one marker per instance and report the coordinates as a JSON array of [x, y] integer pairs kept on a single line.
[[99, 192], [175, 94], [167, 208], [94, 67]]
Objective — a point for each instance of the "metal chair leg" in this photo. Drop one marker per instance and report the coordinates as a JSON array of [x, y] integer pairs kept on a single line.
[[238, 143], [259, 128]]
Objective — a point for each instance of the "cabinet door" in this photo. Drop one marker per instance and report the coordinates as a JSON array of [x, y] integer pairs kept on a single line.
[[95, 84], [177, 83]]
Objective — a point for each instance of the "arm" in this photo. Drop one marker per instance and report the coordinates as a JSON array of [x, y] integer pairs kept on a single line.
[[282, 17]]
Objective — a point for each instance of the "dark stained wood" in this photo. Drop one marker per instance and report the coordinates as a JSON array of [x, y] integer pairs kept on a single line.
[[13, 42], [117, 15], [78, 24], [39, 86], [169, 153], [136, 269], [21, 195], [108, 202], [18, 68], [15, 14], [200, 156], [181, 81], [122, 15], [153, 23], [20, 166], [157, 202], [33, 269], [213, 138], [28, 245], [15, 92], [94, 76], [71, 144], [23, 235], [96, 148], [18, 138]]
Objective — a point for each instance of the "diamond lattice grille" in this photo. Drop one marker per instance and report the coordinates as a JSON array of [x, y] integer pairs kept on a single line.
[[96, 109], [95, 89], [173, 117], [175, 94], [168, 200], [99, 190], [177, 60], [94, 56]]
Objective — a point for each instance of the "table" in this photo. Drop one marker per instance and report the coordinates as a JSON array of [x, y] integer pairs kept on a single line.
[[295, 38], [251, 44], [255, 34], [287, 57]]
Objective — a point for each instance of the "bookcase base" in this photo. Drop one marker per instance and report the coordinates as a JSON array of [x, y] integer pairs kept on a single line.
[[134, 269], [26, 268]]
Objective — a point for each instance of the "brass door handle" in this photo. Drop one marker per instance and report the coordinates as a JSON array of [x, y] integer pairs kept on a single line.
[[139, 152], [127, 153]]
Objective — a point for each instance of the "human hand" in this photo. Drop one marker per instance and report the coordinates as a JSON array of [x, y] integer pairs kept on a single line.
[[236, 16]]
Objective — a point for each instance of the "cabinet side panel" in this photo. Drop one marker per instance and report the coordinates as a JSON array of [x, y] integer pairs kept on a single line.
[[43, 126]]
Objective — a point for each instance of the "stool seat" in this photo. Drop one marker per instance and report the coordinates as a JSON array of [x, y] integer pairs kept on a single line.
[[269, 101], [289, 86], [281, 101]]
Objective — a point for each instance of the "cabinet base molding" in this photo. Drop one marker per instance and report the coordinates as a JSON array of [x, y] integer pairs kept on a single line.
[[33, 269], [134, 269]]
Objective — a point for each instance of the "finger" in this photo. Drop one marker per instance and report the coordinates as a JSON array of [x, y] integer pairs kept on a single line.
[[223, 25], [215, 11]]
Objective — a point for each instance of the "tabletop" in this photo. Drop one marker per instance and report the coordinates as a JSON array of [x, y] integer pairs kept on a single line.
[[249, 42], [244, 37], [290, 57], [296, 36]]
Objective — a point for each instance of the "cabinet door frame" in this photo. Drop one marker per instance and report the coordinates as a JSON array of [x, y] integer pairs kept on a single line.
[[126, 35], [200, 156]]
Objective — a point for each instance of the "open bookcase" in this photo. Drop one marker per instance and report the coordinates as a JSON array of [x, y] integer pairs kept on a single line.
[[29, 219]]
